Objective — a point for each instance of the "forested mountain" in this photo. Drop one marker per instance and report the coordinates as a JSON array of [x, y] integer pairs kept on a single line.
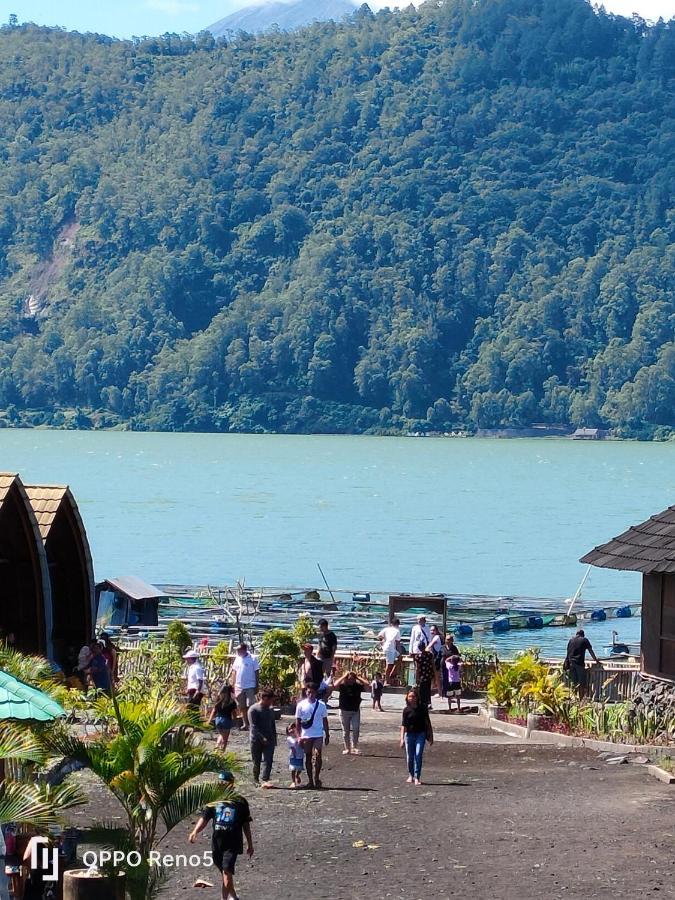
[[456, 215], [284, 14]]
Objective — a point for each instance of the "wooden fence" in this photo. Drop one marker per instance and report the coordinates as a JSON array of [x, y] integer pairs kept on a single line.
[[615, 681]]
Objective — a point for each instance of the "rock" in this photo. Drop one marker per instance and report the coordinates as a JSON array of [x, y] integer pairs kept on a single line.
[[617, 760], [640, 760]]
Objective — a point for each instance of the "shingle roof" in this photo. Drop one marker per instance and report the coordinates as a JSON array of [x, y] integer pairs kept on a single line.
[[45, 500], [648, 547], [19, 700], [6, 481]]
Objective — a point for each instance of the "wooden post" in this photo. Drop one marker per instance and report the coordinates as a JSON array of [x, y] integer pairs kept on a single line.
[[78, 884]]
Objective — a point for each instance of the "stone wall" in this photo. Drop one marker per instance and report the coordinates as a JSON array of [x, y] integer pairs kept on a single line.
[[655, 696]]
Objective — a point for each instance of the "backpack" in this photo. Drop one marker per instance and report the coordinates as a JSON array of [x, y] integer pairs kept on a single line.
[[226, 817]]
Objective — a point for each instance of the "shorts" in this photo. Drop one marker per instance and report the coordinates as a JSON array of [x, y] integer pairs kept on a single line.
[[391, 655], [225, 860], [222, 724], [454, 690], [311, 744], [245, 698]]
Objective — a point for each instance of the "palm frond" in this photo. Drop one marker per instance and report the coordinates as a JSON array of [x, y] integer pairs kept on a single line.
[[37, 804], [20, 743], [189, 800]]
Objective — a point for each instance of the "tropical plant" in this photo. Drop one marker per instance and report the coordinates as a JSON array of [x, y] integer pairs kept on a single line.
[[221, 653], [304, 630], [547, 694], [178, 634], [38, 672], [506, 685], [26, 799], [279, 655], [500, 690], [151, 762], [162, 669]]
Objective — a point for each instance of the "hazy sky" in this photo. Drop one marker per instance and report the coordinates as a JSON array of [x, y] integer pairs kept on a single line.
[[124, 18]]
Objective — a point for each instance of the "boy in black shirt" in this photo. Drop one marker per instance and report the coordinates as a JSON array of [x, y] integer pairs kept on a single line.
[[231, 820]]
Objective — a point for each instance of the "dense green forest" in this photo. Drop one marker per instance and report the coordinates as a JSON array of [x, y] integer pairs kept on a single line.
[[456, 216]]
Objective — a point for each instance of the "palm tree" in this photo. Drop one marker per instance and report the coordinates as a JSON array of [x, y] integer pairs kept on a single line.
[[150, 760]]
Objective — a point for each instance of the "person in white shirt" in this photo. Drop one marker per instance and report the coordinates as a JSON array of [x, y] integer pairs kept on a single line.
[[311, 722], [245, 676], [195, 678], [390, 636], [420, 632]]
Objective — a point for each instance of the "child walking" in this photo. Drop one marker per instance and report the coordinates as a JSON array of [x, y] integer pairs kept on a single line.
[[454, 669], [376, 691], [296, 755]]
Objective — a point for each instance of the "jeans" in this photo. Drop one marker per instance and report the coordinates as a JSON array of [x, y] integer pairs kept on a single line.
[[414, 751], [351, 726], [262, 753]]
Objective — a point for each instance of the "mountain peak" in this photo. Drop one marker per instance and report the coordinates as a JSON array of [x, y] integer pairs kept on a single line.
[[284, 14]]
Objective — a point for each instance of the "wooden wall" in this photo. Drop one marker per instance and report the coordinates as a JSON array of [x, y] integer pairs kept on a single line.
[[658, 625]]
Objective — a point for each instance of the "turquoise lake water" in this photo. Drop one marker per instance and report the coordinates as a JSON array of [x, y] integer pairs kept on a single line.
[[498, 517]]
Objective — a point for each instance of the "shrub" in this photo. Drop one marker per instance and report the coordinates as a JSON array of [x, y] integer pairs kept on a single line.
[[178, 635]]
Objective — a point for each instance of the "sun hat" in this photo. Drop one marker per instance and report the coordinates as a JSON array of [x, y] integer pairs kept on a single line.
[[191, 654]]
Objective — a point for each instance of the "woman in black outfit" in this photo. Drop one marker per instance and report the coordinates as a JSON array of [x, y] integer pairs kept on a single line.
[[416, 730]]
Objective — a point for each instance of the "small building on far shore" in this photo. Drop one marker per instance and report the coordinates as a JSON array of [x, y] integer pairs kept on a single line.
[[649, 548], [588, 434]]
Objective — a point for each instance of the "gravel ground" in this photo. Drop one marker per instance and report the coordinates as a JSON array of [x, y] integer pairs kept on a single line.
[[494, 819]]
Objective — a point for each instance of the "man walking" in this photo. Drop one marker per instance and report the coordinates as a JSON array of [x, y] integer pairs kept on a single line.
[[575, 662], [311, 723], [231, 821], [420, 632], [327, 646], [245, 674], [263, 737]]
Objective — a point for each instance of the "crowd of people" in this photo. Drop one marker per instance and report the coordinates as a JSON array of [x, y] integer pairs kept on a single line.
[[241, 703]]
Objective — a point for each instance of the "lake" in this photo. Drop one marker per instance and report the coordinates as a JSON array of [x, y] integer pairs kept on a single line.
[[463, 515]]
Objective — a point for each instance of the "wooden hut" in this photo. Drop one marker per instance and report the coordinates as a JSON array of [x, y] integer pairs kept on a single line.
[[71, 572], [127, 600], [649, 548], [25, 591]]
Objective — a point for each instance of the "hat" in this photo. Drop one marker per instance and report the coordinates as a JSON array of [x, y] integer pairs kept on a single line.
[[191, 654], [226, 777], [420, 617]]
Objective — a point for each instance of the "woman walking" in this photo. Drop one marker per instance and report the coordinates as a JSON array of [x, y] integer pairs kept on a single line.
[[221, 715], [416, 731], [350, 687]]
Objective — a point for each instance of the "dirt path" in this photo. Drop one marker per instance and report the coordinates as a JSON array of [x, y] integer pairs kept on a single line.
[[494, 819]]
